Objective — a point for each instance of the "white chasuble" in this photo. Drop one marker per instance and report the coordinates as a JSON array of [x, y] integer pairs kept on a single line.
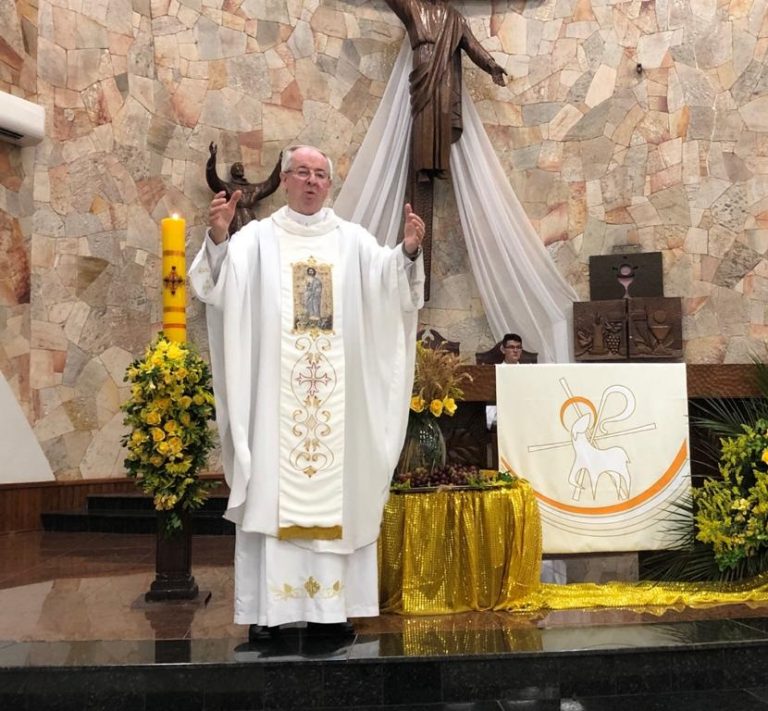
[[311, 410], [311, 405]]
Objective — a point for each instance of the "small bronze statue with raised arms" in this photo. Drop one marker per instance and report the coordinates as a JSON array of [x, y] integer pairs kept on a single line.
[[251, 192]]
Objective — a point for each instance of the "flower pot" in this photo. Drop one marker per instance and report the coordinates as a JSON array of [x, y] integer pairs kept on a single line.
[[424, 446]]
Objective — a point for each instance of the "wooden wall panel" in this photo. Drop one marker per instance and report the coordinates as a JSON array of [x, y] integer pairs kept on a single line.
[[21, 505], [733, 380]]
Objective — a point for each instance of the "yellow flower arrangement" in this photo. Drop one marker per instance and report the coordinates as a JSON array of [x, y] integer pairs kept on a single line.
[[731, 509], [437, 381], [169, 410], [436, 388]]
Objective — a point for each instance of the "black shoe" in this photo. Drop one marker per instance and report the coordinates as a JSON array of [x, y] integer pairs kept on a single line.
[[331, 629], [262, 633]]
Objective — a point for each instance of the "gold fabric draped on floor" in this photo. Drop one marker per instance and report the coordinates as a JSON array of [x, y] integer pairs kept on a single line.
[[455, 551], [651, 597]]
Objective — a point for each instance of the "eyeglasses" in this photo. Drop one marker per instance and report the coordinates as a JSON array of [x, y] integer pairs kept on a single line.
[[305, 173]]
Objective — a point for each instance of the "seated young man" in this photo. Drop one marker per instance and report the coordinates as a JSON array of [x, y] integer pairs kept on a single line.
[[511, 348]]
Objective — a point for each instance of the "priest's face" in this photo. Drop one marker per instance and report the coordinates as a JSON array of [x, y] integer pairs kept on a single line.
[[307, 181]]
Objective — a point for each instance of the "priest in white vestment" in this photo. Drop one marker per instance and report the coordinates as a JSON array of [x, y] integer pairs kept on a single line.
[[312, 330]]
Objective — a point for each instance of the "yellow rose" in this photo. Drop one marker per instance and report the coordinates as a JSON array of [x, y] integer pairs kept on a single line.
[[765, 455], [185, 401], [449, 405], [436, 407], [157, 434], [418, 403], [175, 444], [156, 460], [163, 447], [186, 420], [175, 352], [198, 399], [171, 426], [152, 418]]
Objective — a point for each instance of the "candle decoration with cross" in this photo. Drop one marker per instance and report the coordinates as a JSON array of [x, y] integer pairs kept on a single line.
[[174, 278]]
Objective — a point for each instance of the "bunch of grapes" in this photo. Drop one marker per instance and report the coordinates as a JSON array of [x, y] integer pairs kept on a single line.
[[449, 475]]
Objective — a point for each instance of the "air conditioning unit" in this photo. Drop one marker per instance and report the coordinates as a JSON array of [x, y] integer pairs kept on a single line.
[[21, 121]]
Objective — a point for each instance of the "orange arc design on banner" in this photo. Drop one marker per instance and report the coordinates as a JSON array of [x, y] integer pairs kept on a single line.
[[575, 401], [629, 504]]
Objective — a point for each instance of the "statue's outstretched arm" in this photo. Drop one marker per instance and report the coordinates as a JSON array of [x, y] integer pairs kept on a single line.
[[480, 56], [211, 176], [253, 192]]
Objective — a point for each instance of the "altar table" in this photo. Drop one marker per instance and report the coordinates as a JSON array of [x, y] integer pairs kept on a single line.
[[459, 550]]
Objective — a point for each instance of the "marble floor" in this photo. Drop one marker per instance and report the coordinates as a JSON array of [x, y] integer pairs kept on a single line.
[[77, 599], [90, 586]]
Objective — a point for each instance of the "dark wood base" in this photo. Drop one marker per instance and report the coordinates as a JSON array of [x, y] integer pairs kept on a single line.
[[172, 587], [173, 562]]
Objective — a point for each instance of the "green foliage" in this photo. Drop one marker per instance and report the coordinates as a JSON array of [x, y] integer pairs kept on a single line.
[[168, 412], [728, 541], [731, 511]]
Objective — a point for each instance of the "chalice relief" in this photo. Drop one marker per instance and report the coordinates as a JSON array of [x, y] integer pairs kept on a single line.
[[586, 425]]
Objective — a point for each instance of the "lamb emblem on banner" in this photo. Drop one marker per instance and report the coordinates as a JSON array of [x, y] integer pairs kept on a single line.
[[605, 449], [590, 461]]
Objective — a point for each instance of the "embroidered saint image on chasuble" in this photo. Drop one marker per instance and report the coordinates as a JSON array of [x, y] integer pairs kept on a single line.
[[312, 393], [312, 296]]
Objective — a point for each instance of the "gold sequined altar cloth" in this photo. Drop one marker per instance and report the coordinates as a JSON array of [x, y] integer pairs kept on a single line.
[[455, 551]]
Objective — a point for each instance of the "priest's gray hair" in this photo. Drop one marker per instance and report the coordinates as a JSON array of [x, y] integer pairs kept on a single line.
[[287, 161]]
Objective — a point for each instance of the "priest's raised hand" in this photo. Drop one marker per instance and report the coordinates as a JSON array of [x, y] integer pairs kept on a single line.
[[221, 212], [413, 232]]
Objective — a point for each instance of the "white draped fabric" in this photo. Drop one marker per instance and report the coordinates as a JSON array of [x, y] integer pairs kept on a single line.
[[373, 193], [519, 285]]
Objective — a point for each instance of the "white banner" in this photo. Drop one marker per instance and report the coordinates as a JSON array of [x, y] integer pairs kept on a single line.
[[604, 446]]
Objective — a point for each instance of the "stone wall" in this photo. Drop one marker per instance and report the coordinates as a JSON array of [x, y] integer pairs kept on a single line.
[[672, 157], [18, 76]]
